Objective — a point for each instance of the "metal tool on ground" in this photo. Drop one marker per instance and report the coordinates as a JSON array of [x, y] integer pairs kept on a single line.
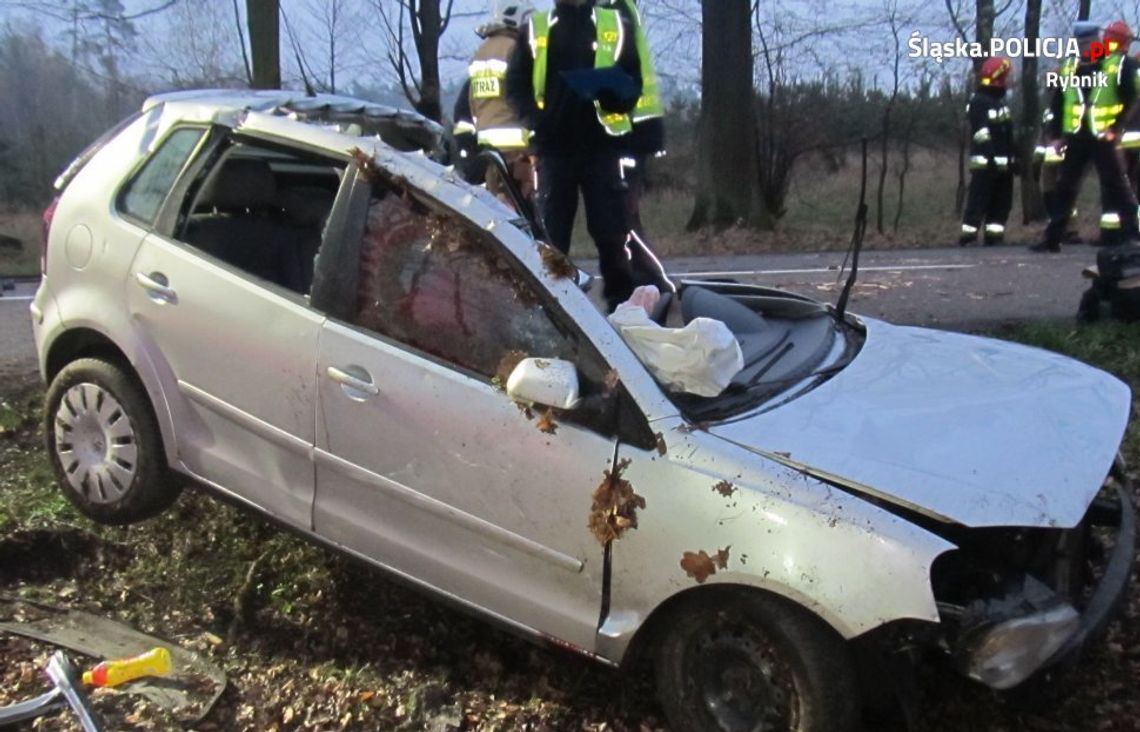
[[68, 691]]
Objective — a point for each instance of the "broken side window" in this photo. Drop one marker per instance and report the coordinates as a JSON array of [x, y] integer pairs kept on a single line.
[[433, 282]]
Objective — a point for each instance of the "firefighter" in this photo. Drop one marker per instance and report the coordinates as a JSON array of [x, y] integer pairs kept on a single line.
[[991, 156], [1087, 119], [647, 141], [483, 118], [579, 133]]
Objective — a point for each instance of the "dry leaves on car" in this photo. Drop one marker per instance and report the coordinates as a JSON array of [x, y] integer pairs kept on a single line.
[[615, 506], [546, 422], [700, 566], [725, 488], [557, 264]]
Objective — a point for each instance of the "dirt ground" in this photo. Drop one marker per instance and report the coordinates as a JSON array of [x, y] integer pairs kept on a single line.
[[311, 641]]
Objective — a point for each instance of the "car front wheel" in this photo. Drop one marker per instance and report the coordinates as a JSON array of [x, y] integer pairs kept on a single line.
[[104, 444], [738, 661]]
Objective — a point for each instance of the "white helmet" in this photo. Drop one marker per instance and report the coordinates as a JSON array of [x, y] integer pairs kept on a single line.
[[510, 13]]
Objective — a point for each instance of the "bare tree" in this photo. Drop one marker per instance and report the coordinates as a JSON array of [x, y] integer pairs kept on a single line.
[[178, 55], [426, 21], [894, 23], [330, 31], [263, 17], [727, 159]]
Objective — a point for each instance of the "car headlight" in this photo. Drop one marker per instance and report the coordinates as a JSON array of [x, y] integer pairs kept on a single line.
[[1007, 653]]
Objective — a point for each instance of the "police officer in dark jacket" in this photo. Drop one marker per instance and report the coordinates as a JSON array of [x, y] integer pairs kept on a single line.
[[991, 156], [579, 140]]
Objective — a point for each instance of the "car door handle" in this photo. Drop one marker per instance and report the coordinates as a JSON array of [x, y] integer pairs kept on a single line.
[[346, 379], [156, 284]]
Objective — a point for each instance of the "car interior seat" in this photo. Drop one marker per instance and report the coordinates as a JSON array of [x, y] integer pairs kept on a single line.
[[238, 220]]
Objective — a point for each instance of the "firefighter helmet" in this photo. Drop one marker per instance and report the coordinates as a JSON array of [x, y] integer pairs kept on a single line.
[[510, 13], [1117, 35], [994, 71]]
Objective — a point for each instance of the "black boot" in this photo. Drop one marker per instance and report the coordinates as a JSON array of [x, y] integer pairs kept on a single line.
[[1050, 247]]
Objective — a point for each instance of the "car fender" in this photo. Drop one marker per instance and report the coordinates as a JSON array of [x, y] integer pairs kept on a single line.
[[119, 333], [763, 525]]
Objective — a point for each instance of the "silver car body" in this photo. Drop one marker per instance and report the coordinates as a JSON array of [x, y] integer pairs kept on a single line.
[[435, 476]]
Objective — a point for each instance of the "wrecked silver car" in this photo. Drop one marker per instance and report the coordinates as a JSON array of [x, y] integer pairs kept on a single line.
[[288, 301]]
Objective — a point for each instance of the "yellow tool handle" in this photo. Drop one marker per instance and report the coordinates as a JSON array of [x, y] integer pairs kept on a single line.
[[155, 662]]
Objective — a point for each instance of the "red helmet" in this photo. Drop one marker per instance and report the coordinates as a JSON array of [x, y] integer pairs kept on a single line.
[[994, 71], [1117, 35]]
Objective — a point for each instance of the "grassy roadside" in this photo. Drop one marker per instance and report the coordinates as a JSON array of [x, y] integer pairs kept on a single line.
[[313, 641]]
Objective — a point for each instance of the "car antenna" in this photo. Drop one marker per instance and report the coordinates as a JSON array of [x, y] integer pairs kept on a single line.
[[856, 241]]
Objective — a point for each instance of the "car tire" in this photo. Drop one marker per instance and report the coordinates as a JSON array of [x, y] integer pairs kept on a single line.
[[754, 661], [104, 444]]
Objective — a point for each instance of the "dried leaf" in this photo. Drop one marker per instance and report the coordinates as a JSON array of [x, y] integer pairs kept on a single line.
[[546, 422], [614, 509], [366, 163], [557, 264], [698, 565], [507, 365], [610, 384], [661, 447], [725, 488], [721, 557]]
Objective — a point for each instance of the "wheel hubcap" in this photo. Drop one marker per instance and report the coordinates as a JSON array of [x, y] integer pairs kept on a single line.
[[743, 683], [95, 443]]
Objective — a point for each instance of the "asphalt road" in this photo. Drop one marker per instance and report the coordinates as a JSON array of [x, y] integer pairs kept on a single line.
[[957, 289]]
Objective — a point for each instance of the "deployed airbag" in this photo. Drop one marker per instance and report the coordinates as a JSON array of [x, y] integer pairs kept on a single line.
[[700, 358]]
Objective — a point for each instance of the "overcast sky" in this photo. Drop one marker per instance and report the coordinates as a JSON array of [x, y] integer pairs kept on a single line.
[[198, 39]]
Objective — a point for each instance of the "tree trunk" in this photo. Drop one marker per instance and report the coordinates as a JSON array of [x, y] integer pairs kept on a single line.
[[728, 170], [983, 27], [427, 49], [1032, 207], [265, 42], [884, 149]]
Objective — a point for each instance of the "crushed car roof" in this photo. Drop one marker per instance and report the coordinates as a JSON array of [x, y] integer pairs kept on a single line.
[[402, 129]]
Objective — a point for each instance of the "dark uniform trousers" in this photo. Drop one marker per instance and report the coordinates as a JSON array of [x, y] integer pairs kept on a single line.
[[597, 174], [1116, 195], [989, 200]]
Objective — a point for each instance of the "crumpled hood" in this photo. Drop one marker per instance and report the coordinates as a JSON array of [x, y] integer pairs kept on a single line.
[[974, 430]]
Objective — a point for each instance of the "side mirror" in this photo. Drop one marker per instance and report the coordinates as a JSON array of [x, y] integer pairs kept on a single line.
[[548, 382]]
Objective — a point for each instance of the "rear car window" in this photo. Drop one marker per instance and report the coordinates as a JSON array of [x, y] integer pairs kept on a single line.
[[142, 196]]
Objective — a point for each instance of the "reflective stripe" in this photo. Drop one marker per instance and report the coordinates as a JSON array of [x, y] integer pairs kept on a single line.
[[967, 229], [979, 161], [1053, 155], [608, 44], [1001, 161], [995, 228], [1130, 139], [982, 135], [464, 127], [1110, 220], [492, 65], [504, 137]]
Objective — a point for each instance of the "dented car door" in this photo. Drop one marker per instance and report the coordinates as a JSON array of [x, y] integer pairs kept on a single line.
[[423, 463]]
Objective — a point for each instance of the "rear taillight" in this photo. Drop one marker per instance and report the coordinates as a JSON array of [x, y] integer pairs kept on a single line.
[[49, 214]]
